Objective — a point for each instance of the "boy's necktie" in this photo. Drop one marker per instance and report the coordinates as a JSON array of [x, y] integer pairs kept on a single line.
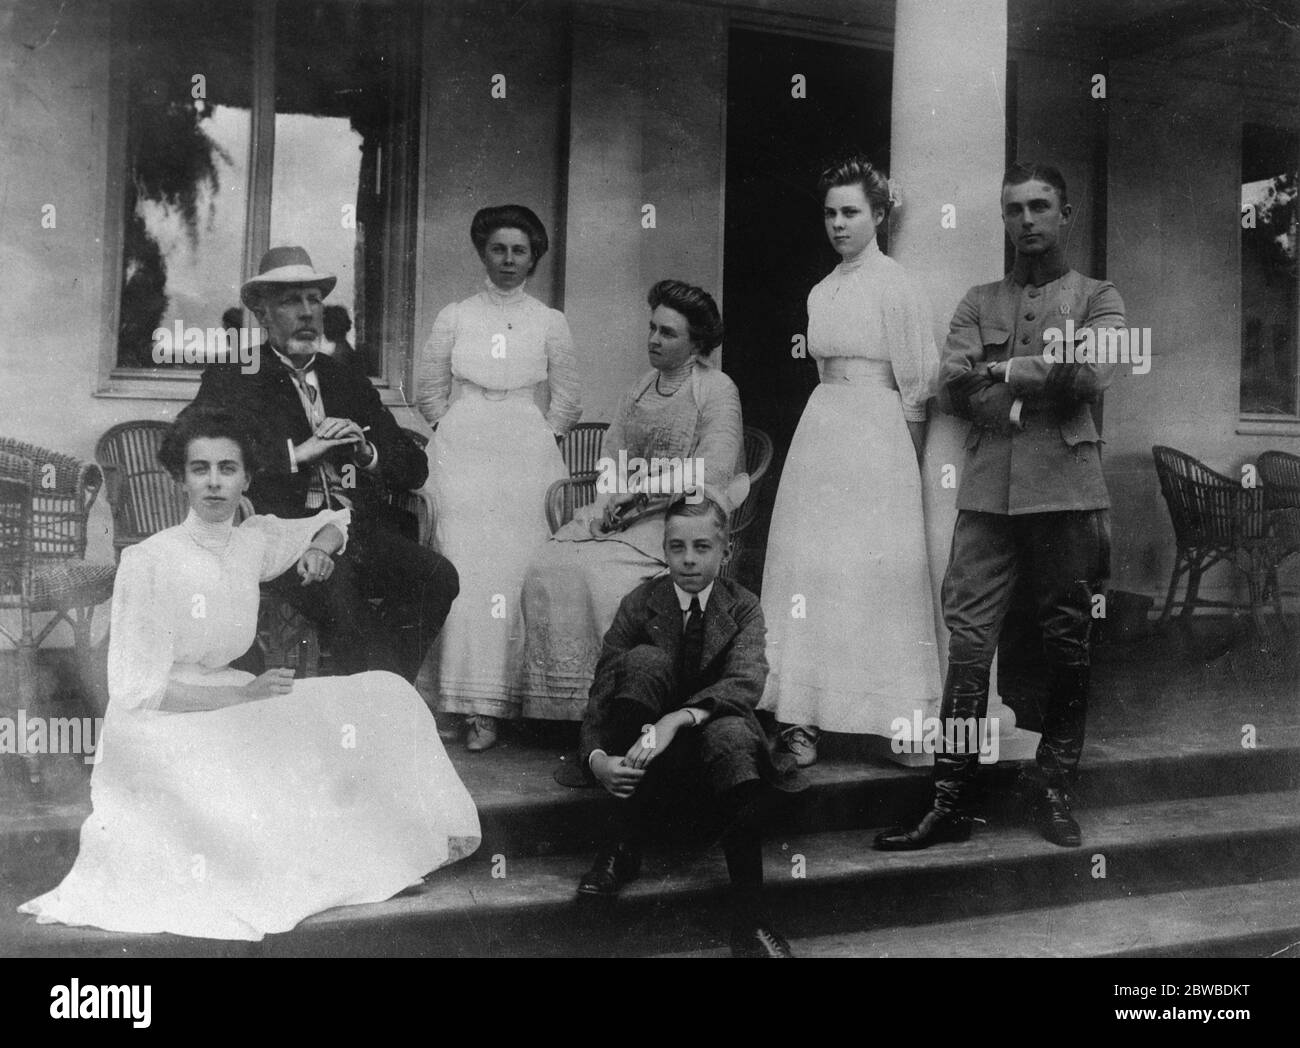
[[692, 648]]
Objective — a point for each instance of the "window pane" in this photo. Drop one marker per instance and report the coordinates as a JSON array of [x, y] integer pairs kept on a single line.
[[344, 180], [1270, 275], [188, 76]]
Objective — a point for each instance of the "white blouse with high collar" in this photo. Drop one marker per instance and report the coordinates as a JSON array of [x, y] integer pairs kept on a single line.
[[185, 600], [869, 307], [500, 341]]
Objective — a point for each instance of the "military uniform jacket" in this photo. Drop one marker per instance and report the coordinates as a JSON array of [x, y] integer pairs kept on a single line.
[[1051, 461]]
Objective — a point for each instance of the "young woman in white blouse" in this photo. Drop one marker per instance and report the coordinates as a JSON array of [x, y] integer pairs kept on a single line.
[[846, 585], [228, 806], [498, 380]]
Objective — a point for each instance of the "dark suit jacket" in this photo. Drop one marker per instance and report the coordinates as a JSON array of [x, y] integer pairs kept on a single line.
[[271, 396], [733, 660]]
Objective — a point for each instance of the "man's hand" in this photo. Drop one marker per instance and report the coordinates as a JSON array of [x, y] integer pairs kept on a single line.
[[614, 509], [655, 738], [341, 429], [314, 447], [615, 775], [315, 565], [268, 685]]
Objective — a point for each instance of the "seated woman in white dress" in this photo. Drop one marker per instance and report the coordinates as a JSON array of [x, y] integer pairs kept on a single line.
[[846, 585], [685, 409], [488, 363], [228, 806]]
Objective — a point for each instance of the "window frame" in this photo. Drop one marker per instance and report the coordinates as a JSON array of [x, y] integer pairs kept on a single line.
[[1257, 423], [401, 299]]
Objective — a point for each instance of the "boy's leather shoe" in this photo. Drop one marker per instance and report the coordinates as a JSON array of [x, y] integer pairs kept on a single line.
[[613, 868], [937, 827], [758, 940]]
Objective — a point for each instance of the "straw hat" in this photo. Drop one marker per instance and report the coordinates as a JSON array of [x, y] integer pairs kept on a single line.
[[285, 267]]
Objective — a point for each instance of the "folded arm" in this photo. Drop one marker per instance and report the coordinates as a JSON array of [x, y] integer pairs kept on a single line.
[[1071, 383], [969, 389]]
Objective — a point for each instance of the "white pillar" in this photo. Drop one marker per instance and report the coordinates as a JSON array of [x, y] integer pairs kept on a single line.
[[947, 153]]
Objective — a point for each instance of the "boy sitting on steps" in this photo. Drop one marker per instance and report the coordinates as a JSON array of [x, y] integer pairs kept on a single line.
[[670, 730]]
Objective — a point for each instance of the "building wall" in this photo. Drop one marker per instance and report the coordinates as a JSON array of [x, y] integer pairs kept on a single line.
[[1174, 253], [1059, 122], [53, 116], [646, 131], [613, 106], [479, 151]]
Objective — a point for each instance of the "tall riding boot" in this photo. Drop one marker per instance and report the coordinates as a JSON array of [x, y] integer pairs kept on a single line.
[[1058, 753], [965, 695]]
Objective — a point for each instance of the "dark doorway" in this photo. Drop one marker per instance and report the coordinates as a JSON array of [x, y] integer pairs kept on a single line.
[[775, 248]]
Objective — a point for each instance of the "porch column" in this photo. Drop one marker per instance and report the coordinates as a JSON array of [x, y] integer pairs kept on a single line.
[[947, 154]]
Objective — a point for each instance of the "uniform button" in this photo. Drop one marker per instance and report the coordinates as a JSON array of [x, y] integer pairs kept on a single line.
[[1033, 292], [1024, 340], [1030, 315]]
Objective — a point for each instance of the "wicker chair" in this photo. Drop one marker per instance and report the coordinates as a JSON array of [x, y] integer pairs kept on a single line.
[[567, 495], [144, 497], [1280, 474], [45, 500], [1215, 519], [758, 459], [581, 447]]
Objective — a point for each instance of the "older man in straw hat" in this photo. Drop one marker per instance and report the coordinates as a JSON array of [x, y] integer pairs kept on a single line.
[[328, 442]]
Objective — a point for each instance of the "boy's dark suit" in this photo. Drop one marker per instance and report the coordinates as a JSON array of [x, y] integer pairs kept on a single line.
[[415, 585], [637, 681]]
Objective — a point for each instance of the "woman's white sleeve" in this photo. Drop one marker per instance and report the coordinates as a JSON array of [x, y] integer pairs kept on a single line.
[[912, 352], [562, 376], [433, 367], [720, 439], [288, 538], [142, 638]]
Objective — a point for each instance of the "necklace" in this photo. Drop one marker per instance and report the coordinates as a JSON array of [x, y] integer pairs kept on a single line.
[[500, 300], [681, 374]]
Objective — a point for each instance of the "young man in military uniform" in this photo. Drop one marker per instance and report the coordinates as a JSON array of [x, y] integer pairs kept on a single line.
[[1032, 500]]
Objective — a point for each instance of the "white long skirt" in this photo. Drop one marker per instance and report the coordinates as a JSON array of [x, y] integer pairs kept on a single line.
[[847, 585], [240, 822], [490, 464]]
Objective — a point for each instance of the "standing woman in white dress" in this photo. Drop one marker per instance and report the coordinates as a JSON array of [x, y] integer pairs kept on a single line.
[[846, 587], [227, 806], [498, 380]]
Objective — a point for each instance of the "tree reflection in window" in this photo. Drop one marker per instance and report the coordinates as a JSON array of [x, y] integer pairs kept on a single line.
[[341, 94], [188, 84]]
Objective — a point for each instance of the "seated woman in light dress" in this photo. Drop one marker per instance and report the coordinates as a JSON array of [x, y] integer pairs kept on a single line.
[[488, 362], [851, 640], [228, 806], [683, 408]]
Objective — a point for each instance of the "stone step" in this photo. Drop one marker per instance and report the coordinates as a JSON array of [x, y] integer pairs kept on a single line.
[[524, 812], [1184, 843], [1233, 920]]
